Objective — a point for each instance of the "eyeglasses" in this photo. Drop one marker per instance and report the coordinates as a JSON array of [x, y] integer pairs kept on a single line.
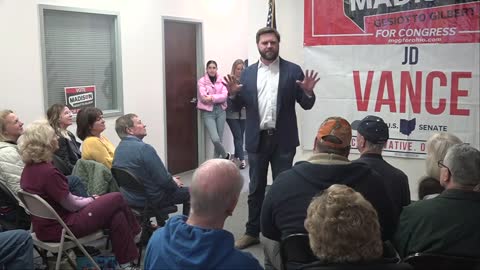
[[441, 165]]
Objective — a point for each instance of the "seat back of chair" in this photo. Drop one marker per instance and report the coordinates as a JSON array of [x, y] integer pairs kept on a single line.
[[421, 261], [38, 206], [127, 180], [295, 249]]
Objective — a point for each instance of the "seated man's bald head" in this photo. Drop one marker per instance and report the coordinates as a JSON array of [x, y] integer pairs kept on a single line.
[[215, 188]]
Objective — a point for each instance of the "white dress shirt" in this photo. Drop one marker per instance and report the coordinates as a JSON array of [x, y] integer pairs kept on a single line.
[[267, 91]]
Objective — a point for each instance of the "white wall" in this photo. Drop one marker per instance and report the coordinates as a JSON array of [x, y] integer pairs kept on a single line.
[[142, 52], [290, 25], [229, 33]]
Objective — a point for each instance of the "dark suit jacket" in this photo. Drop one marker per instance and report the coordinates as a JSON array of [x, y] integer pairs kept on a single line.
[[288, 93]]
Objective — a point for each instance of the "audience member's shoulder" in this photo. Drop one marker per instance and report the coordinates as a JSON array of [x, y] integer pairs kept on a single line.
[[91, 140], [147, 147], [420, 205], [359, 166], [295, 68], [399, 173], [286, 176]]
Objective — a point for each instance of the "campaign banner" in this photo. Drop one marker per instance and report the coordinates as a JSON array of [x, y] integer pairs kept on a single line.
[[415, 63], [440, 93], [80, 97], [355, 22]]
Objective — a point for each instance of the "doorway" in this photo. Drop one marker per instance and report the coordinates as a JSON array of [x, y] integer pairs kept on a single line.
[[182, 57]]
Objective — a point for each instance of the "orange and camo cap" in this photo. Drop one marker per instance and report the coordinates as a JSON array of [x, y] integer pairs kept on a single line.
[[334, 132]]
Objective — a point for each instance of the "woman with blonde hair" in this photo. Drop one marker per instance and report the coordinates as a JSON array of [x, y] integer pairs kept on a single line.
[[83, 215], [60, 118], [437, 146], [343, 227], [236, 118], [11, 164]]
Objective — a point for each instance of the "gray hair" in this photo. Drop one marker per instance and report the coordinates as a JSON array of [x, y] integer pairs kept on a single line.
[[122, 123], [437, 146], [215, 184], [375, 147], [463, 161]]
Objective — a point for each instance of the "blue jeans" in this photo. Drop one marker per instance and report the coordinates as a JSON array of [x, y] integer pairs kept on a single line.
[[280, 160], [237, 126], [76, 186], [16, 250], [215, 122]]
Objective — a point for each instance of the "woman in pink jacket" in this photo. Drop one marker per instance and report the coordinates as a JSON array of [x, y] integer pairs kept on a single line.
[[212, 102]]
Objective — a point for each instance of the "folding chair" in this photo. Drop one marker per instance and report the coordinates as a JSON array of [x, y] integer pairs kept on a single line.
[[295, 251], [40, 208], [130, 182], [421, 261]]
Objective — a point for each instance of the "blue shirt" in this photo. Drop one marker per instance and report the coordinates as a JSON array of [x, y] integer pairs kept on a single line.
[[142, 160], [179, 245]]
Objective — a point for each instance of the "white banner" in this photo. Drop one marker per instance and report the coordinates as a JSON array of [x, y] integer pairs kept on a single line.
[[417, 89]]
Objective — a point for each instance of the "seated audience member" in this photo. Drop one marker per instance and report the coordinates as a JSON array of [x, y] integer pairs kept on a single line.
[[285, 206], [372, 135], [437, 146], [90, 125], [60, 118], [449, 223], [343, 227], [82, 215], [16, 250], [199, 240], [142, 160], [11, 164], [428, 188]]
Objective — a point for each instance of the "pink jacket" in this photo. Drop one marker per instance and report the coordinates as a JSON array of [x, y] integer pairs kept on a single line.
[[218, 92]]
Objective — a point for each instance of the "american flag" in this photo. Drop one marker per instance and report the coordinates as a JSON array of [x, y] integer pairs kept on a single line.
[[271, 20]]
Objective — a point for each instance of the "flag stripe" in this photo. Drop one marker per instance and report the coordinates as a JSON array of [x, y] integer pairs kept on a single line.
[[271, 18]]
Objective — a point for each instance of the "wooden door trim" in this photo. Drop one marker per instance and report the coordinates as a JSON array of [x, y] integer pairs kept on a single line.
[[201, 148]]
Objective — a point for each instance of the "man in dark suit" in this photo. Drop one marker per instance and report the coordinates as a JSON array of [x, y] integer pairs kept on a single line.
[[372, 135], [269, 89]]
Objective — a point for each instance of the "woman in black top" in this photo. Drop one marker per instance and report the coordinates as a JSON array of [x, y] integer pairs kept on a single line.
[[60, 118]]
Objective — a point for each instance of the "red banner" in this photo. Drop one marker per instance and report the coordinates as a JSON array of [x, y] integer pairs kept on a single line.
[[361, 22]]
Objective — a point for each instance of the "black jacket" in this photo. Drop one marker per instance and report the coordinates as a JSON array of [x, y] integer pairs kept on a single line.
[[285, 206], [68, 153], [395, 180]]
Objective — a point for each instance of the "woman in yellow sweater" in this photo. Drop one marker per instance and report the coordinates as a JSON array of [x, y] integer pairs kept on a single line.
[[90, 125]]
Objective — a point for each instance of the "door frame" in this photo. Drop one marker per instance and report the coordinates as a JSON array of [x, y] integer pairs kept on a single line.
[[201, 147]]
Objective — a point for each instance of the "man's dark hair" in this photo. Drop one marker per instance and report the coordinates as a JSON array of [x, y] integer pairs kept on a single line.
[[267, 30]]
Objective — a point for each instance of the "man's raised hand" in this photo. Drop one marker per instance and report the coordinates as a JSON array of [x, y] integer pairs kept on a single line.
[[232, 84], [309, 82]]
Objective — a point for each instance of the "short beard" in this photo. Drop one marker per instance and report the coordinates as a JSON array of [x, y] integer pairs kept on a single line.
[[264, 56]]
